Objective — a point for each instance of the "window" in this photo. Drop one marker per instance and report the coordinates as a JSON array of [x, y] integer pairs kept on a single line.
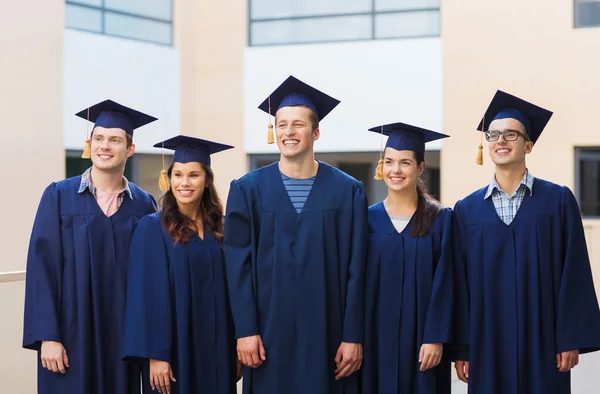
[[587, 13], [143, 20], [289, 21], [587, 180]]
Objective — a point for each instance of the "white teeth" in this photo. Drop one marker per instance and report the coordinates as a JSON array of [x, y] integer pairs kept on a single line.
[[503, 151], [185, 192], [290, 142]]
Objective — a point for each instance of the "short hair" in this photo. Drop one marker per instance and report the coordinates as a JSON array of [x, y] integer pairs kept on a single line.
[[128, 138]]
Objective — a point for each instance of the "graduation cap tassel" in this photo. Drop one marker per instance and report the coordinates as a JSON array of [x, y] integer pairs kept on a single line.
[[480, 147], [270, 134], [379, 170], [163, 181], [87, 148]]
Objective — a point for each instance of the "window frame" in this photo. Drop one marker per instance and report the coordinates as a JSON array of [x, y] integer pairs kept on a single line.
[[576, 15], [583, 153], [104, 10], [373, 13]]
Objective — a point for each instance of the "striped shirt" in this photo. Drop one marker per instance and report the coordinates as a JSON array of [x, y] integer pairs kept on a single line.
[[507, 206], [298, 190]]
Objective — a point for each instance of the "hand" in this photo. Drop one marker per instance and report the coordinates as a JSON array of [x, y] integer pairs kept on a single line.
[[161, 376], [348, 359], [430, 355], [566, 361], [239, 367], [54, 357], [462, 370], [251, 351]]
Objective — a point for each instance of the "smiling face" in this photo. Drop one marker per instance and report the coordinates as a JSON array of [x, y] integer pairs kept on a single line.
[[295, 129], [401, 169], [110, 148], [188, 182], [509, 153]]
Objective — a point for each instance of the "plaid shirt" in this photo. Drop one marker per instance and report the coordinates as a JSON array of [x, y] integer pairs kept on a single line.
[[507, 206], [86, 183]]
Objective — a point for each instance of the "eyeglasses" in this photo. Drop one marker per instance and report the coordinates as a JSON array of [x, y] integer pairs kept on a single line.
[[508, 135]]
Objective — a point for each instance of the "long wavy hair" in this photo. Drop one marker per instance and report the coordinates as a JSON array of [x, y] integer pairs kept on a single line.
[[182, 228], [427, 207]]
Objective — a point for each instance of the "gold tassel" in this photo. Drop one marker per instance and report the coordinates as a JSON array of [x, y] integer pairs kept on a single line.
[[270, 136], [87, 149], [379, 171], [163, 181], [480, 154]]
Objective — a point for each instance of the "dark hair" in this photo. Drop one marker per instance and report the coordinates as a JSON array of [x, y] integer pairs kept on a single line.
[[427, 207], [180, 227], [314, 119], [128, 137]]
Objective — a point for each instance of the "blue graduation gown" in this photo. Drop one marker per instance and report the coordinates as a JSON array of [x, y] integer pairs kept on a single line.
[[178, 309], [530, 288], [408, 303], [76, 286], [297, 279]]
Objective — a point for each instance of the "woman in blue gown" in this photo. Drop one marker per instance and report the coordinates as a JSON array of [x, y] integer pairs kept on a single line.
[[178, 318], [409, 275]]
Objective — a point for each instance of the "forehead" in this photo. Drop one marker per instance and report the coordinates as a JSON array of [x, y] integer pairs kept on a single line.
[[187, 167], [293, 113], [112, 132], [394, 154], [507, 123]]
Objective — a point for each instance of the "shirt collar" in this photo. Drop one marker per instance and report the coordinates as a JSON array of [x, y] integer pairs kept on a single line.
[[526, 181], [86, 183]]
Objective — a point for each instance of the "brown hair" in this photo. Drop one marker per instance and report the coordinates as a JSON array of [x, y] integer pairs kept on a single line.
[[427, 207], [180, 227], [128, 138], [314, 119]]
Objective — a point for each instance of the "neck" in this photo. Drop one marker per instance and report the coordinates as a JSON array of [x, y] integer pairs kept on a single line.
[[509, 178], [300, 167], [107, 181], [403, 202], [191, 210]]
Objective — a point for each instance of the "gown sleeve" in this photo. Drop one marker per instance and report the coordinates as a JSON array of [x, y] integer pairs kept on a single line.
[[459, 348], [147, 332], [44, 282], [354, 313], [578, 317], [438, 323], [238, 260]]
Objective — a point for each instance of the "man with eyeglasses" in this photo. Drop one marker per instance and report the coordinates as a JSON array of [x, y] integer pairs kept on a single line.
[[520, 250]]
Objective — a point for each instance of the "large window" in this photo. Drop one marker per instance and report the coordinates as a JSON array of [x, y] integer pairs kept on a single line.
[[587, 180], [587, 13], [144, 20], [310, 21]]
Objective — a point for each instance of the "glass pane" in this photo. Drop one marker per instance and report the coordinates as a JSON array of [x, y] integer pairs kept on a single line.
[[311, 30], [400, 5], [159, 9], [137, 28], [95, 3], [261, 9], [83, 18], [588, 13], [590, 187], [407, 24]]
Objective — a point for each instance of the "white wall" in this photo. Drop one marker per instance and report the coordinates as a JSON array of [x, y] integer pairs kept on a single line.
[[377, 82], [140, 75]]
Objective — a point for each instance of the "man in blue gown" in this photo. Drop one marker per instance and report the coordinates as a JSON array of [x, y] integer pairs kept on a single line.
[[295, 243], [77, 264], [532, 308]]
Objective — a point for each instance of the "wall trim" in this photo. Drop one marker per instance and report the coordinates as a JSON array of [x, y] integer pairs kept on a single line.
[[15, 276]]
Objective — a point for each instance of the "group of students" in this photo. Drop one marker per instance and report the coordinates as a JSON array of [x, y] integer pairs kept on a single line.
[[302, 287]]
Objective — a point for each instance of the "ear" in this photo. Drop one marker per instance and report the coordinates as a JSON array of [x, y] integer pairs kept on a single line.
[[421, 168], [316, 134], [130, 150], [528, 147]]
